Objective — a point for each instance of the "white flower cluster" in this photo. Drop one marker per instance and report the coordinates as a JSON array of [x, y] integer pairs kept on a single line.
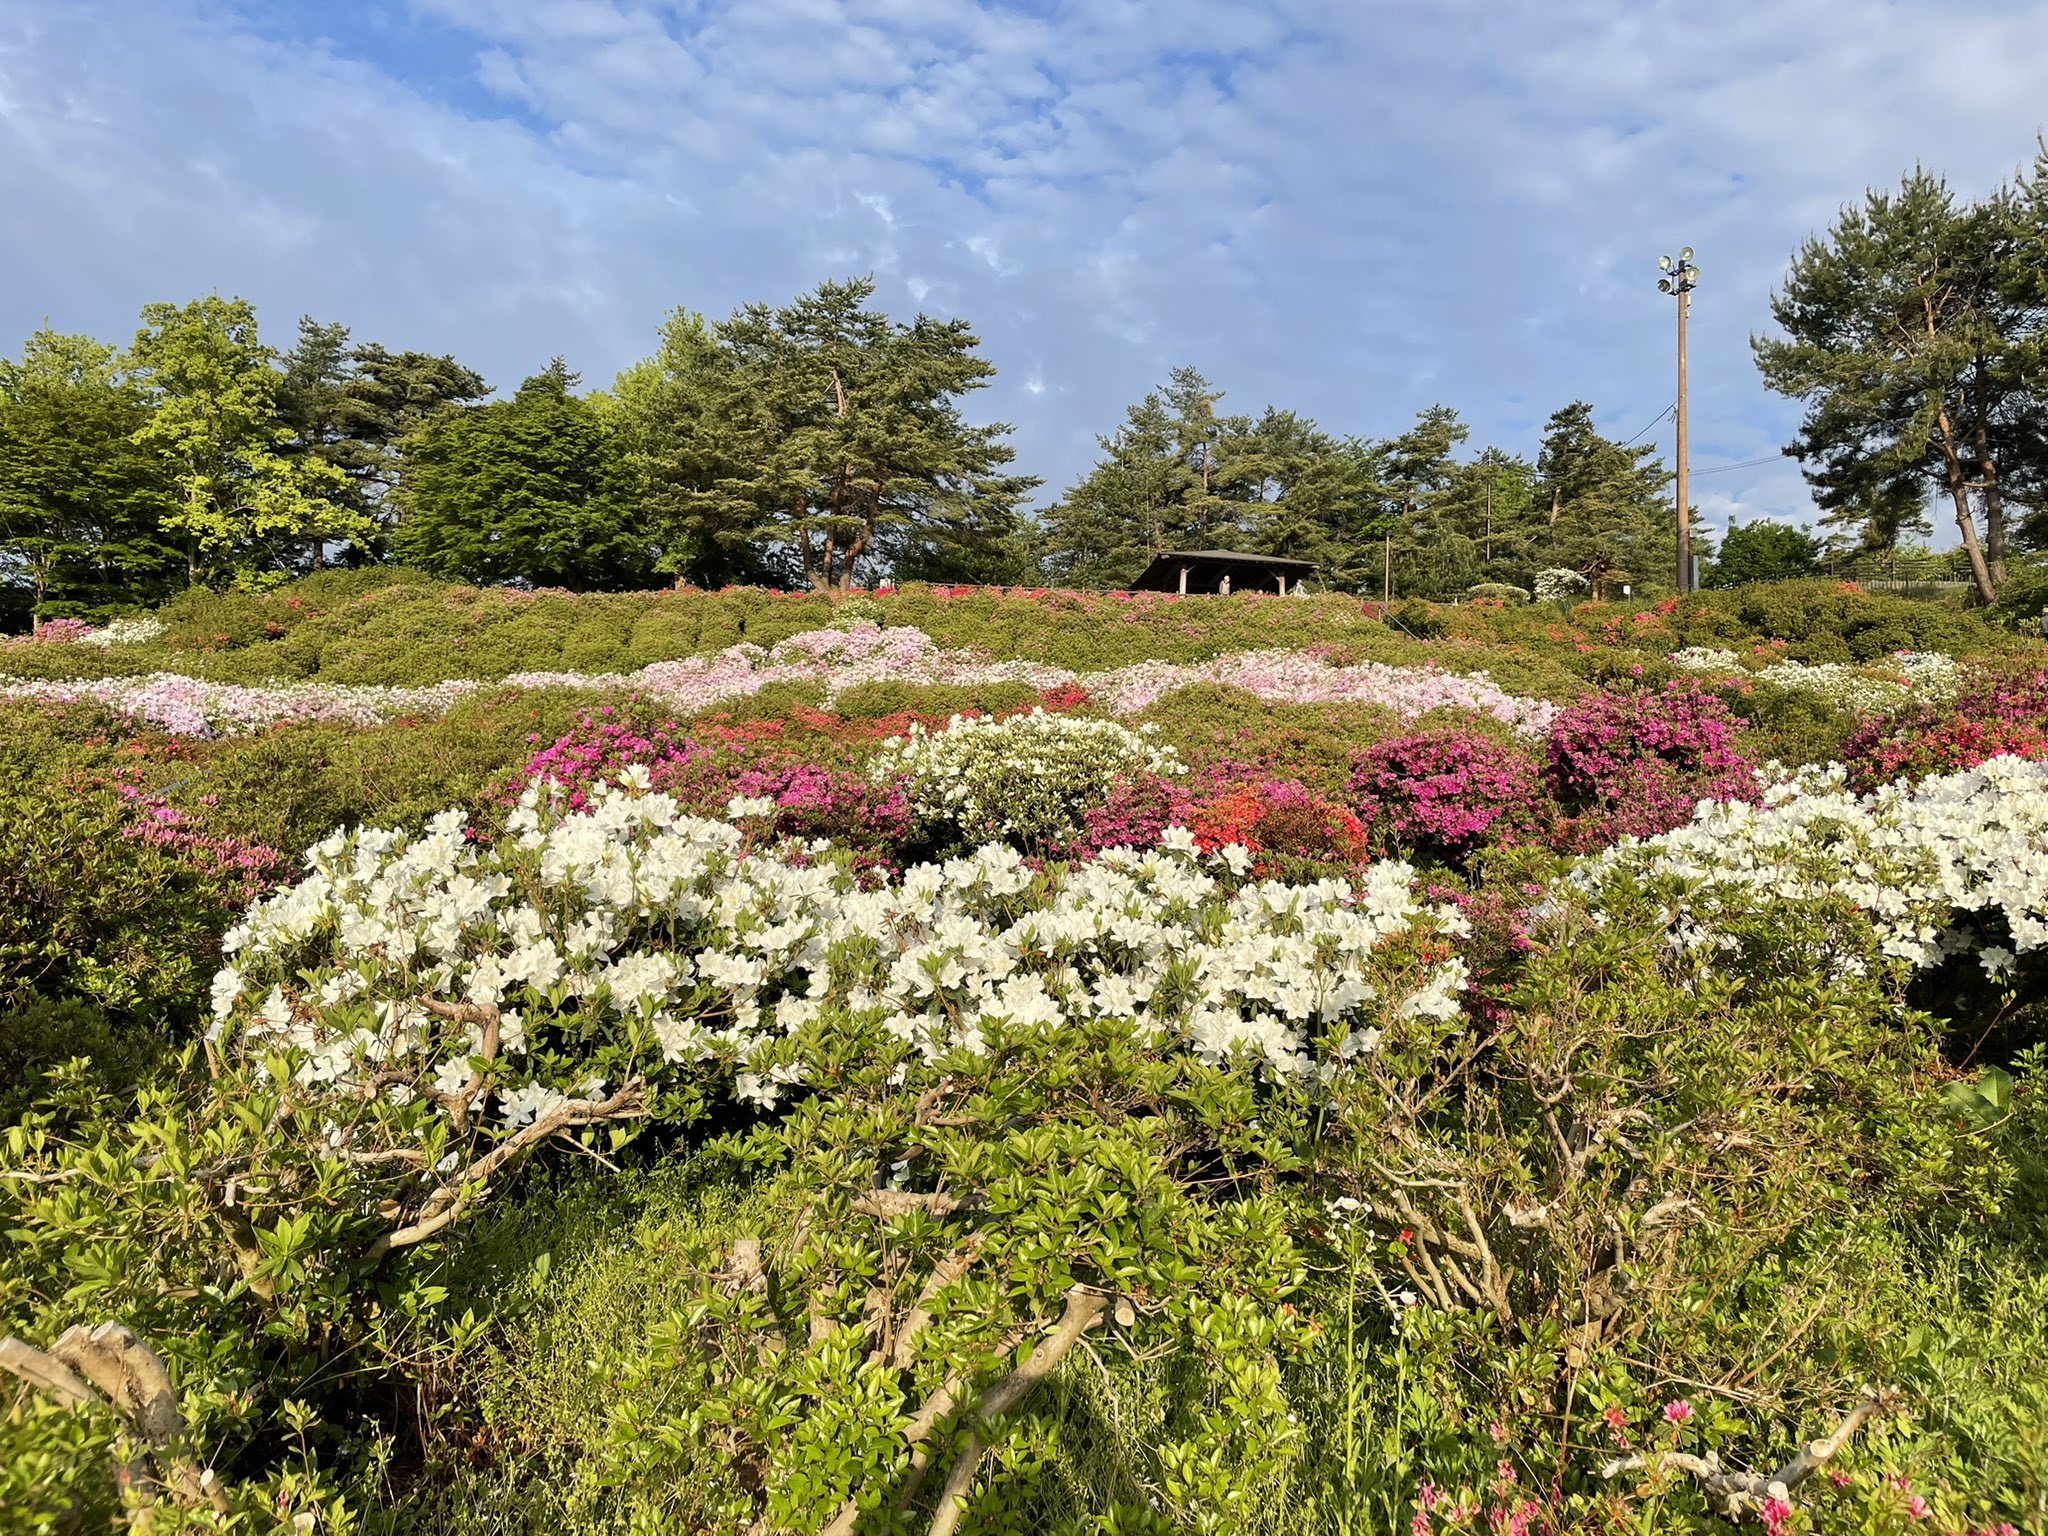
[[1025, 780], [124, 632], [633, 929], [1919, 860], [1558, 585], [1905, 677]]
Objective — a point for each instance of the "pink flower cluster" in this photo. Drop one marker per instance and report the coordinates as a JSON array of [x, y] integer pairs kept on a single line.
[[601, 748], [839, 659], [844, 808], [55, 632], [190, 706], [1637, 762], [250, 869], [1446, 791], [1299, 677]]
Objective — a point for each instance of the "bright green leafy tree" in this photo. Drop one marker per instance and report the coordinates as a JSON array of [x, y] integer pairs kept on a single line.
[[1763, 552], [243, 502]]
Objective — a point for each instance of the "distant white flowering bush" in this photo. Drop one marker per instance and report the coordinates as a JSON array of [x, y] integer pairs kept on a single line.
[[1027, 780], [1904, 678], [1705, 658], [124, 632], [1560, 586], [1931, 865]]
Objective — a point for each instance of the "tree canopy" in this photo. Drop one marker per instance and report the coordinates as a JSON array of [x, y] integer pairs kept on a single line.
[[83, 507], [819, 440], [533, 490], [1914, 334], [1763, 551]]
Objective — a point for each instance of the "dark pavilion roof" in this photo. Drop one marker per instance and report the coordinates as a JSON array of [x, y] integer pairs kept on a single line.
[[1207, 567]]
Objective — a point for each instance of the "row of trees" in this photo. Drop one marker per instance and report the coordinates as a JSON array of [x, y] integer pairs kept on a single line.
[[1404, 513], [199, 454], [818, 443], [1916, 333]]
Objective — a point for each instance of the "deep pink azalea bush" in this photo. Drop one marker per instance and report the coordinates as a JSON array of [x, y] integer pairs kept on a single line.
[[242, 869], [811, 802], [1446, 792], [1637, 761], [604, 744], [1138, 811]]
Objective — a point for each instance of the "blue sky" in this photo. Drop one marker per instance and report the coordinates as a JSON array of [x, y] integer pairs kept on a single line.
[[1352, 210]]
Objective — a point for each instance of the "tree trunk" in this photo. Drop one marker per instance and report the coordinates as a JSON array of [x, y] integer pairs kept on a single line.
[[1994, 494], [1959, 492]]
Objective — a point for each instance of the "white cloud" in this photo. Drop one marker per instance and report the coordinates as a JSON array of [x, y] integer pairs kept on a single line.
[[1348, 210]]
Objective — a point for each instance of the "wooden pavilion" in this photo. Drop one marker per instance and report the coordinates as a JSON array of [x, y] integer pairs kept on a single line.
[[1221, 571]]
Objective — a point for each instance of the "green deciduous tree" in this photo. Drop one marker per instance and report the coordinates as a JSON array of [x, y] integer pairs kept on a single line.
[[243, 502], [533, 490], [1763, 552], [82, 507]]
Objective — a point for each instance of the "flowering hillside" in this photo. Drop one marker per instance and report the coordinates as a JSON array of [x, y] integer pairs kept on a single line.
[[947, 1060]]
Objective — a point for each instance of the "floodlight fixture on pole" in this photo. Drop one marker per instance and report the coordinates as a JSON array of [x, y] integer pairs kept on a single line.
[[1683, 276]]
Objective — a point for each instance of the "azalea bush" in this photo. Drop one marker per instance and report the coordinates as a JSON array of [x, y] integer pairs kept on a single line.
[[1994, 714], [1635, 761], [138, 935], [1028, 780], [1448, 792]]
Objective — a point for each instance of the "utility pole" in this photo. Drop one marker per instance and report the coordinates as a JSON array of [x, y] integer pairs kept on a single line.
[[1680, 279], [1492, 474]]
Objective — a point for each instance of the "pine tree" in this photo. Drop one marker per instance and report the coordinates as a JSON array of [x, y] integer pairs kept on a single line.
[[1604, 507], [822, 438], [1423, 554], [1912, 334]]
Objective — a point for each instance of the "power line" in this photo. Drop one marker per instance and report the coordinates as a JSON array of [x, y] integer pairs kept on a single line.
[[1659, 417], [1717, 469]]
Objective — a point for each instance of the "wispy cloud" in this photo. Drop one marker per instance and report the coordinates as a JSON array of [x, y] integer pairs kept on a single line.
[[1349, 210]]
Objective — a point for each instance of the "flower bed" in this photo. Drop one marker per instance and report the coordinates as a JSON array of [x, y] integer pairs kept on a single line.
[[836, 660]]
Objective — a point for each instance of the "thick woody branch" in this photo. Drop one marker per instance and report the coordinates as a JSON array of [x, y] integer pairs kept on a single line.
[[110, 1365], [1743, 1493], [1084, 1309], [452, 1202], [485, 1017], [943, 1274]]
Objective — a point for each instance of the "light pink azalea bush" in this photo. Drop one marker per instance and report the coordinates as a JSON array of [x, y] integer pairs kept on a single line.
[[834, 659]]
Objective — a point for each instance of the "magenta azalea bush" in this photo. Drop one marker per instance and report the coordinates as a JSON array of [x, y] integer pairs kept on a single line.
[[1638, 761], [874, 819], [1446, 792], [604, 745]]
